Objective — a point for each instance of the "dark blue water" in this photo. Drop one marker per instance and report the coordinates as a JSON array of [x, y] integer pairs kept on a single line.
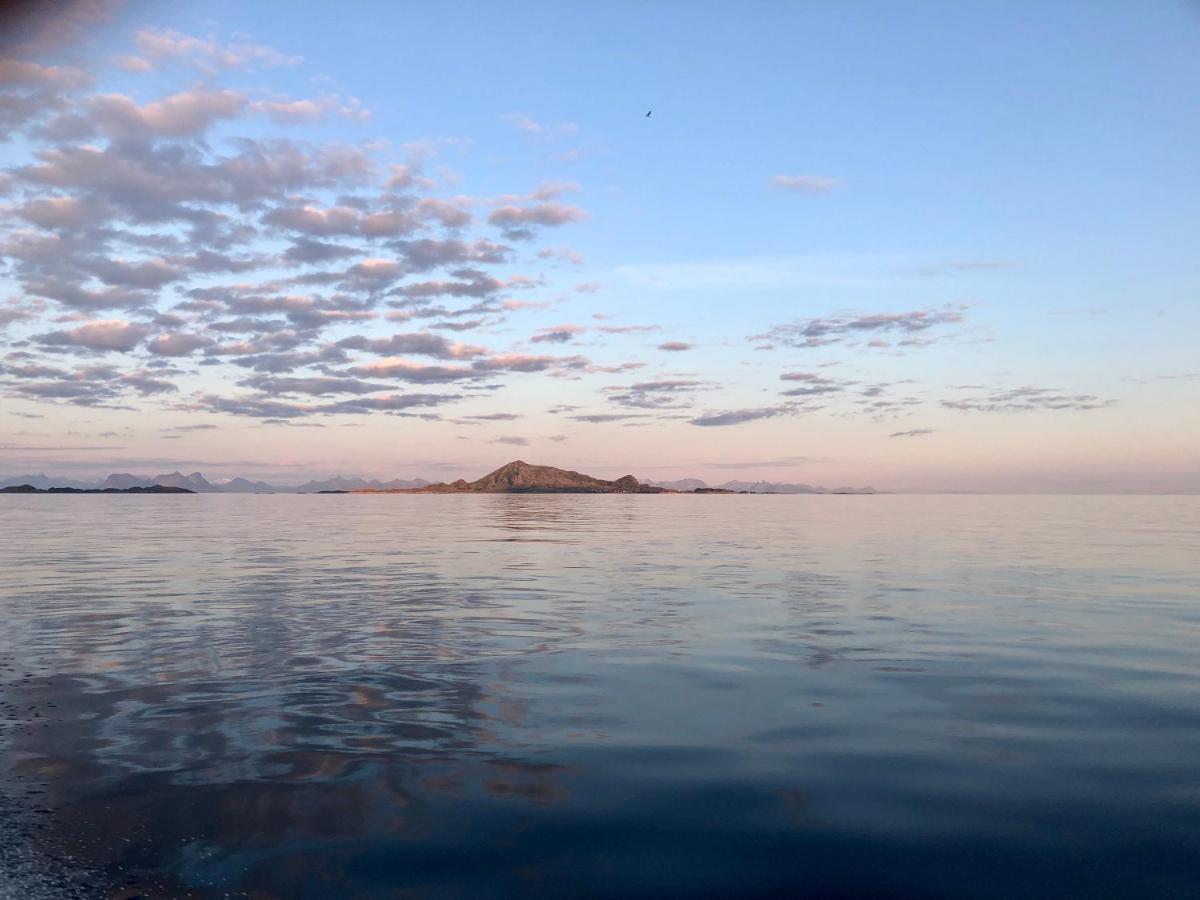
[[618, 696]]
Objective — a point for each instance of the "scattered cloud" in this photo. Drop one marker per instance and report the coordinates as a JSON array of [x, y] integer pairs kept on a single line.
[[517, 222], [813, 384], [525, 362], [404, 370], [421, 343], [293, 112], [529, 125], [23, 73], [187, 429], [312, 385], [496, 417], [179, 344], [740, 416], [625, 329], [158, 47], [605, 418], [15, 311], [846, 328], [664, 394], [1027, 399], [557, 334], [103, 335], [519, 216], [805, 184], [561, 255], [915, 432], [264, 406], [186, 114], [956, 266]]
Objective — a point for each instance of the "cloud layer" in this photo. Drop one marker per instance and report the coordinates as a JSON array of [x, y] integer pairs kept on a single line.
[[151, 234]]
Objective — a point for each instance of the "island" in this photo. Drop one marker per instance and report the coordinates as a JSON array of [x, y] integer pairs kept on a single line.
[[520, 477]]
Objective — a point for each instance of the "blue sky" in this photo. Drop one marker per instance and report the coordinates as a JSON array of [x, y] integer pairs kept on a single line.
[[968, 225]]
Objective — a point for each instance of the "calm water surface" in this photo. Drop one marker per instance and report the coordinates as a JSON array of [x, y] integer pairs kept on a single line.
[[621, 696]]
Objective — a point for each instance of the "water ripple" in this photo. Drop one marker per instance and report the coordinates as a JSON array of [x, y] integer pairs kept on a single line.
[[601, 696]]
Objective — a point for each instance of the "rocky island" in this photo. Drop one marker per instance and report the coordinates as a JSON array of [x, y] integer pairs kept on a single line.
[[520, 477]]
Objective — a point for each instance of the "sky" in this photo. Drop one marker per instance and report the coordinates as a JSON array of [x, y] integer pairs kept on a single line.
[[926, 247]]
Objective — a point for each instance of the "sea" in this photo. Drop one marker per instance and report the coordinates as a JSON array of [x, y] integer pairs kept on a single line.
[[493, 696]]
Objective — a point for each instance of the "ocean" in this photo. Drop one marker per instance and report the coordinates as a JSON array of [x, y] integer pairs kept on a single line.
[[485, 696]]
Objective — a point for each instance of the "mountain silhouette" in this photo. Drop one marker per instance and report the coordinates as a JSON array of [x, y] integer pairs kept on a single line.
[[520, 477]]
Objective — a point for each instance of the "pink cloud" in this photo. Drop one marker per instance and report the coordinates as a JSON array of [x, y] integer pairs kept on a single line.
[[184, 114]]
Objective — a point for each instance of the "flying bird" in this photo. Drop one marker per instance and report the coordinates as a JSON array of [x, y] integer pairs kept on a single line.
[[648, 114]]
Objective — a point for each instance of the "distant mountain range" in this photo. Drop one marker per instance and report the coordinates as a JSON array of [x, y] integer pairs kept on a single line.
[[515, 477], [201, 485]]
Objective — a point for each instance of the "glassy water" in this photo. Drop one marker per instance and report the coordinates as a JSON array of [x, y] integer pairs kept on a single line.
[[621, 696]]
